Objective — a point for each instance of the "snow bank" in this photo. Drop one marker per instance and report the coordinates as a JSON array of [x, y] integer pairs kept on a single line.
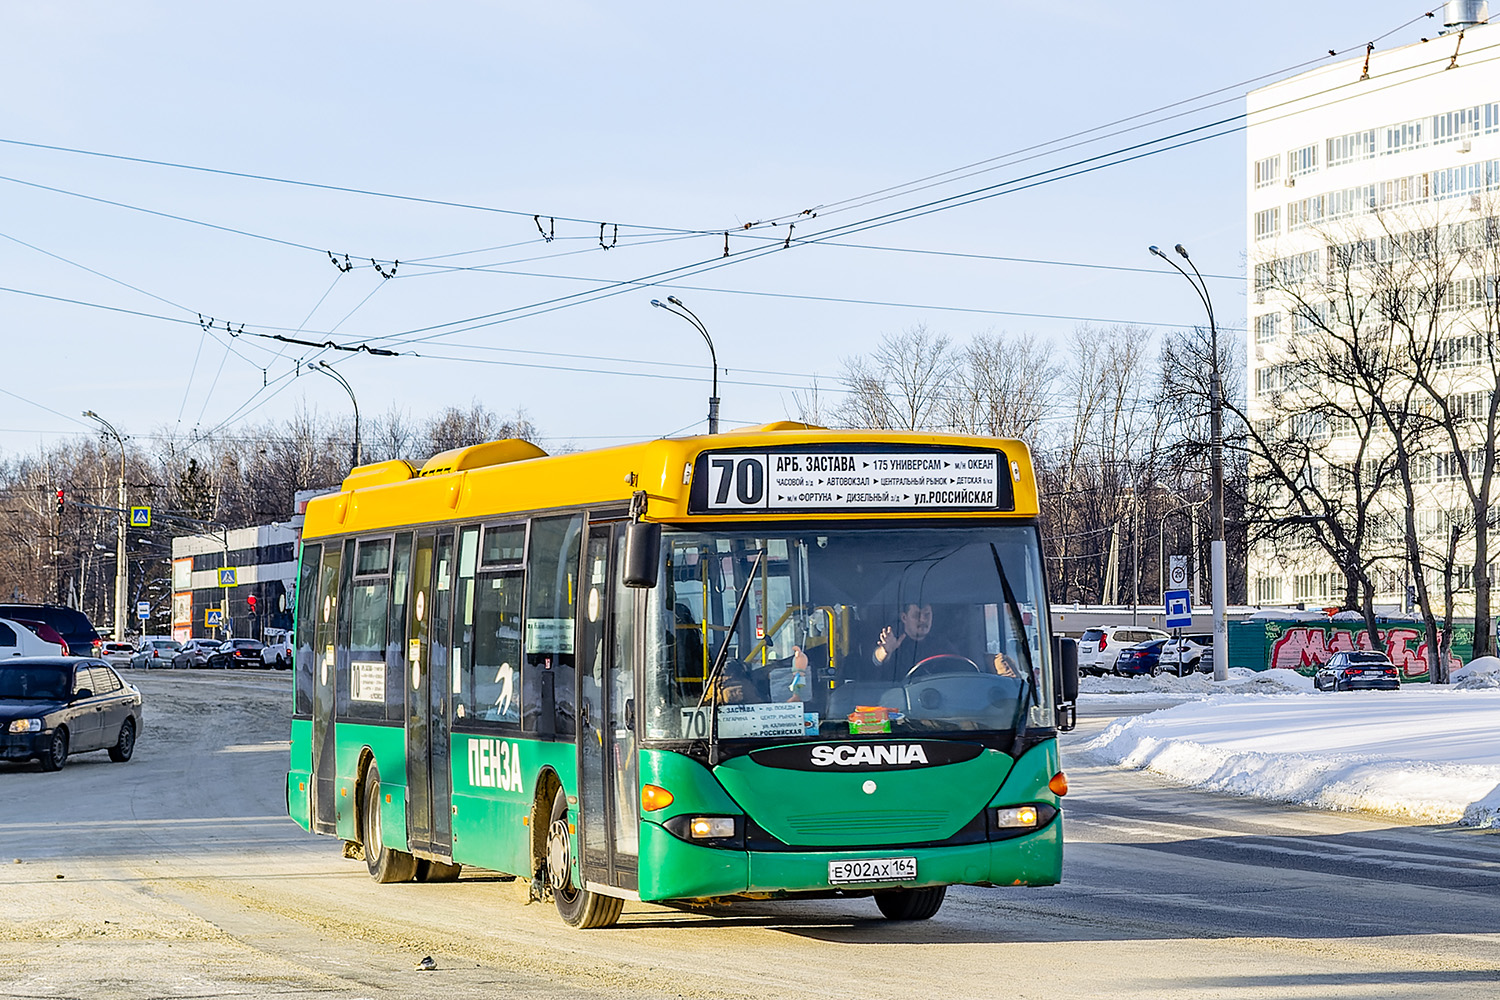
[[1429, 754]]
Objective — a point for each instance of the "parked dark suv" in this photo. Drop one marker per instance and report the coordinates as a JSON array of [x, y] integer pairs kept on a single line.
[[73, 625]]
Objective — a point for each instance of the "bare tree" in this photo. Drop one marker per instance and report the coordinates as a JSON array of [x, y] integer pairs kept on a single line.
[[1002, 387], [902, 385]]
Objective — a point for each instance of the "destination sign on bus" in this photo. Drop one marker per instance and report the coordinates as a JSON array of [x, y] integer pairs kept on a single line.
[[848, 479]]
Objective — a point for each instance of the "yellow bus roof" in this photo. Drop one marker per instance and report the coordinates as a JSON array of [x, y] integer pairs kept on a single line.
[[498, 479]]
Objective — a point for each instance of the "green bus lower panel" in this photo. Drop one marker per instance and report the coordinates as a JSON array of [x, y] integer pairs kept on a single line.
[[299, 774], [672, 869], [495, 782], [387, 746]]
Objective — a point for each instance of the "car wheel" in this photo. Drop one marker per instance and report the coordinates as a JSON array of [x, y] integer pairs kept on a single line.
[[578, 907], [384, 863], [55, 754], [1156, 669], [125, 744], [910, 904]]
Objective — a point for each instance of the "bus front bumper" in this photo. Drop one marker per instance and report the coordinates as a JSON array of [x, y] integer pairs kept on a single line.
[[674, 869]]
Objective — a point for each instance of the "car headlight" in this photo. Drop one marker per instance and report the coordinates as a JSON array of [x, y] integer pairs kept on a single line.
[[26, 725]]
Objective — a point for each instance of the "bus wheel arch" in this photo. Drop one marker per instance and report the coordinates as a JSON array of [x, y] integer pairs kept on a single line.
[[578, 906], [547, 785], [361, 771]]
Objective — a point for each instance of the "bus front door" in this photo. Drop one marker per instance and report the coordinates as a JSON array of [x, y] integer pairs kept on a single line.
[[607, 792], [429, 826]]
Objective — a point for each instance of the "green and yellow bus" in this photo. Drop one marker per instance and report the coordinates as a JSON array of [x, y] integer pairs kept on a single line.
[[777, 663]]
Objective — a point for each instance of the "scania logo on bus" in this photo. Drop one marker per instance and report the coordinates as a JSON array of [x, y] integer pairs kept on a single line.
[[866, 756], [863, 756]]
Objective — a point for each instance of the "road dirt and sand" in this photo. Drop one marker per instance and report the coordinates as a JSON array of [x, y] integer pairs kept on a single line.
[[178, 874]]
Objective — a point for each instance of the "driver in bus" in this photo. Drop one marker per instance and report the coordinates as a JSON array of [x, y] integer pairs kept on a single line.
[[898, 652]]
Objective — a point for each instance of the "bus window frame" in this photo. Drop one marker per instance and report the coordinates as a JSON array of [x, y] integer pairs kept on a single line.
[[484, 529], [344, 701]]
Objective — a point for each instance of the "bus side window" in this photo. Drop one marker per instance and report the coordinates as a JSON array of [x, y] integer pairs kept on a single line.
[[495, 693], [341, 655], [304, 657], [395, 643], [548, 681]]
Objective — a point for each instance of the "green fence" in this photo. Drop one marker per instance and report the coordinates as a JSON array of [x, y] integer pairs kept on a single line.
[[1301, 646]]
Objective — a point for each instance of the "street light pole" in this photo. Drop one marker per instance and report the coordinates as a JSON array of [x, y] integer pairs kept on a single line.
[[121, 567], [1218, 571], [332, 372], [691, 317]]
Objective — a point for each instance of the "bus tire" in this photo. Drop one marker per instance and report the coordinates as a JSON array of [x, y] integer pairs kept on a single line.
[[578, 907], [437, 871], [910, 904], [385, 864]]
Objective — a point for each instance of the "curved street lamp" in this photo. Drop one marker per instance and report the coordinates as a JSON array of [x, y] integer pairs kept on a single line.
[[691, 317], [121, 567], [1218, 572], [332, 372]]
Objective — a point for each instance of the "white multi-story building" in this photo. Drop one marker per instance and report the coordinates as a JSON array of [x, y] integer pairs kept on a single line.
[[1352, 162]]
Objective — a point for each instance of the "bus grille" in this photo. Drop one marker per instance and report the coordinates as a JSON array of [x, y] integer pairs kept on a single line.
[[890, 826]]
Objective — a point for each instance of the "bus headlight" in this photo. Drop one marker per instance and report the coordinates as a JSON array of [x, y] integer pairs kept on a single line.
[[711, 827], [1015, 816], [26, 726]]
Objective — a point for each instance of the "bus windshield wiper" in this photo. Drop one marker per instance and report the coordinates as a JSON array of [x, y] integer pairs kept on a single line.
[[1028, 687], [723, 654]]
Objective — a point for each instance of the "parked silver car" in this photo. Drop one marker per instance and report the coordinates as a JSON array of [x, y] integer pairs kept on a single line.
[[154, 651]]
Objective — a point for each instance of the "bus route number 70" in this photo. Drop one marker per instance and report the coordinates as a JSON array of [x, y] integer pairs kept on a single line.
[[736, 481]]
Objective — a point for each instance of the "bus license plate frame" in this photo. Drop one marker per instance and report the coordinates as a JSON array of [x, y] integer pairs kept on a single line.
[[861, 871]]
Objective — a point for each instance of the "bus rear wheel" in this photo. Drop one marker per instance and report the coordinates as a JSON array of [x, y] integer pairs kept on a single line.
[[578, 907], [910, 904], [385, 864], [437, 871]]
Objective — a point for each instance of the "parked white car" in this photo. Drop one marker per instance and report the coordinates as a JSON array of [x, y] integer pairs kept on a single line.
[[1197, 654], [1100, 646], [278, 651], [18, 640]]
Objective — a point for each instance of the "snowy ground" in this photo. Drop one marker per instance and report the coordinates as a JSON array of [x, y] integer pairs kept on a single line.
[[1427, 753]]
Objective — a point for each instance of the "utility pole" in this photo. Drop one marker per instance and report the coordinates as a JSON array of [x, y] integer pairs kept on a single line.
[[1218, 570], [122, 568], [691, 317]]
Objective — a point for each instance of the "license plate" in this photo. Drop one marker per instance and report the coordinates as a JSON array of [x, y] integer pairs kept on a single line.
[[872, 870]]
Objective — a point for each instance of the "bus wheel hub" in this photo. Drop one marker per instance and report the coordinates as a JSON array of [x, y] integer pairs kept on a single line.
[[559, 856]]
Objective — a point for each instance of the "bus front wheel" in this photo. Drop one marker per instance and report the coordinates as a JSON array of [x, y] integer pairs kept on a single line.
[[578, 907], [910, 904], [385, 864]]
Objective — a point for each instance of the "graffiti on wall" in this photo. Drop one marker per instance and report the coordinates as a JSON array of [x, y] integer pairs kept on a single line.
[[1303, 648]]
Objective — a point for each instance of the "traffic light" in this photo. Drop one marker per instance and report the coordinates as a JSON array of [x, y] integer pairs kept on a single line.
[[59, 501], [251, 601]]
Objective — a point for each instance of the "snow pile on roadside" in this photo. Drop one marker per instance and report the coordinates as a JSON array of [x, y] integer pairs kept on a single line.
[[1481, 672], [1430, 755], [1241, 681]]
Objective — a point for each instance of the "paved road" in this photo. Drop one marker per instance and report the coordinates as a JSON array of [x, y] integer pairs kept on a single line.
[[178, 875]]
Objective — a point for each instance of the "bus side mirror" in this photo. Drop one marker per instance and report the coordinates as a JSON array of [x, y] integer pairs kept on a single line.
[[642, 554], [1065, 655]]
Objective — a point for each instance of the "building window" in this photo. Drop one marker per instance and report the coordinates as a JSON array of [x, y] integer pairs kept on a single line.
[[1267, 380], [1267, 589], [1300, 162], [1305, 212], [1455, 125], [1267, 223], [1403, 137], [1401, 191], [1267, 328], [1351, 148], [1309, 317], [1267, 171], [1351, 201]]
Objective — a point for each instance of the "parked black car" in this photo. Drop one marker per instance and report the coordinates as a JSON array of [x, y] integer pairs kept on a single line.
[[239, 653], [53, 706], [1352, 670], [73, 625], [1142, 658]]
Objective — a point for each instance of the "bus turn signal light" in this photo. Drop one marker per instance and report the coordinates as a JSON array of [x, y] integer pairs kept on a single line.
[[654, 797], [1059, 784]]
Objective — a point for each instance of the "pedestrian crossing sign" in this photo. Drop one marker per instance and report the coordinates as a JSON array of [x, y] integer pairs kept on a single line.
[[229, 577], [213, 618], [140, 517]]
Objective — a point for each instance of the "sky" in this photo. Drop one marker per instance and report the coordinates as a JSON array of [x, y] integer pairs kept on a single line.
[[433, 134], [1426, 753]]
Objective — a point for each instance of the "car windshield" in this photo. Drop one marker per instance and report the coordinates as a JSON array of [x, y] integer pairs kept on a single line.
[[246, 644], [1093, 635], [879, 630], [34, 683]]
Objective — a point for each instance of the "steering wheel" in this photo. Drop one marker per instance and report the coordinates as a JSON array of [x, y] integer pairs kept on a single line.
[[934, 663]]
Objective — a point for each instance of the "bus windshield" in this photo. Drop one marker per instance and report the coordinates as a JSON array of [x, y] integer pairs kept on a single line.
[[919, 631]]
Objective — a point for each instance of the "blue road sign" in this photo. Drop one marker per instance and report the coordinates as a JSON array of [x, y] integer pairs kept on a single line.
[[143, 610], [229, 577], [1179, 609], [140, 517], [213, 618]]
